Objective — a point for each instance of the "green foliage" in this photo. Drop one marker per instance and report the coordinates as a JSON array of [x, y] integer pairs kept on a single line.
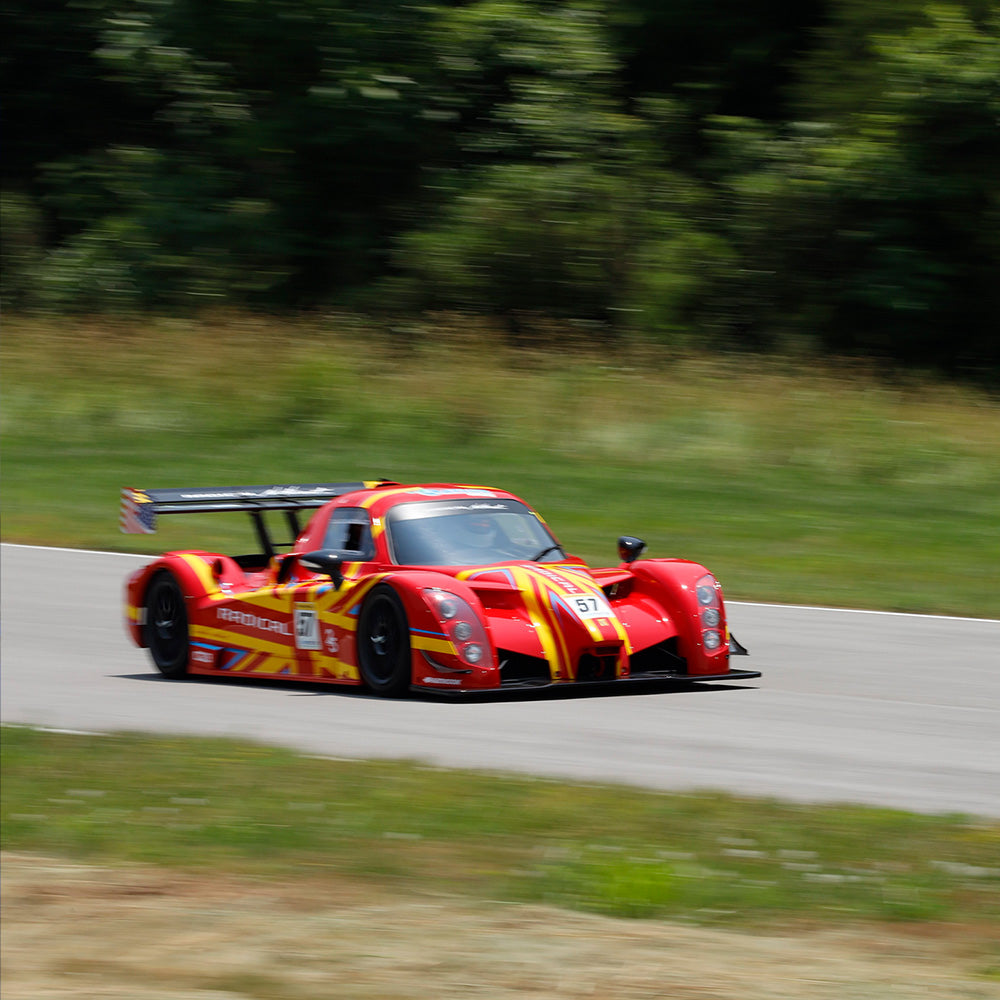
[[155, 229], [721, 57], [277, 141], [819, 176], [895, 207], [572, 213], [21, 248], [917, 198], [56, 101], [535, 225]]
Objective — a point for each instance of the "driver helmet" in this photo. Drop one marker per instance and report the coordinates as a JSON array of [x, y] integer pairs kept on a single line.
[[479, 532]]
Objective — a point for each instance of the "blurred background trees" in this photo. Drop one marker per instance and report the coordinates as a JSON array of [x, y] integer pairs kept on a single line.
[[822, 177]]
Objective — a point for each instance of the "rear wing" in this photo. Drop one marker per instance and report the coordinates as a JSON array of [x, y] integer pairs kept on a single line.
[[140, 508]]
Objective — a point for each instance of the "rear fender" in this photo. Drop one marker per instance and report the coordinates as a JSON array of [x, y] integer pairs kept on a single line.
[[201, 576], [673, 583]]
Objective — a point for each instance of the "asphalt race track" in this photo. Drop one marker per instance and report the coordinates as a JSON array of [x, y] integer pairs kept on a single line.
[[898, 710]]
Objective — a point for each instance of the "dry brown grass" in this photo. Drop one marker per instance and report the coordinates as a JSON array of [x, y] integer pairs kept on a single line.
[[81, 932]]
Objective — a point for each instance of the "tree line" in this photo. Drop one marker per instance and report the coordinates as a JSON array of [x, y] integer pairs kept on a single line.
[[821, 177]]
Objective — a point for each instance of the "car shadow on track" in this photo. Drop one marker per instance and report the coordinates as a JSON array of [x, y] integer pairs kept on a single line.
[[634, 689], [300, 689]]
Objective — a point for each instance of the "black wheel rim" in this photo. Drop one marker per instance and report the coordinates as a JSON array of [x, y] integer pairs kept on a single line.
[[168, 623], [383, 636]]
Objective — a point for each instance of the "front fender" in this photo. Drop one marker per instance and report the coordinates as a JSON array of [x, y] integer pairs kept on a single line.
[[673, 583], [435, 661]]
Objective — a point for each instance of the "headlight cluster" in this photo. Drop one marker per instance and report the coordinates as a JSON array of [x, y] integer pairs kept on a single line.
[[461, 624], [710, 612]]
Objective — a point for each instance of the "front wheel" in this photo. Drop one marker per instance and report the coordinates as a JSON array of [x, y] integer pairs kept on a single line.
[[166, 630], [384, 643]]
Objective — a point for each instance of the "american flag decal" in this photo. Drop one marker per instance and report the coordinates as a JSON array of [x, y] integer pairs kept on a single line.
[[138, 513]]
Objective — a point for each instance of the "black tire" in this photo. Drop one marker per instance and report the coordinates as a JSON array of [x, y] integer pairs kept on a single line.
[[166, 630], [384, 643]]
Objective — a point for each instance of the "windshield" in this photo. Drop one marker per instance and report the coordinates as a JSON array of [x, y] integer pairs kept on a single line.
[[468, 533]]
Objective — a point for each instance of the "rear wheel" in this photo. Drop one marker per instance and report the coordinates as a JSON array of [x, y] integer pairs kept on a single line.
[[384, 643], [166, 630]]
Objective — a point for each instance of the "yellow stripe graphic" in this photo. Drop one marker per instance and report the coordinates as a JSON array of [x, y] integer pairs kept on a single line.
[[205, 577], [223, 637]]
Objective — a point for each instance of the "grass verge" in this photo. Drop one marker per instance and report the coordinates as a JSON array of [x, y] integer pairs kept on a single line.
[[792, 484], [707, 858]]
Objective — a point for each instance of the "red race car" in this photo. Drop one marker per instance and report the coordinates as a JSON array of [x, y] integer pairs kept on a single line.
[[430, 587]]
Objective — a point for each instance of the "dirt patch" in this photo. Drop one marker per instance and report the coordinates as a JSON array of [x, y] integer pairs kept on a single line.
[[137, 933]]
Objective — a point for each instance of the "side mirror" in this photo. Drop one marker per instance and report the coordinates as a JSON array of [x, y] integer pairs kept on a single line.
[[630, 548], [327, 561]]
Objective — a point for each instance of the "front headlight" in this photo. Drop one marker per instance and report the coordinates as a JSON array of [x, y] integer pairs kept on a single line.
[[460, 623], [709, 595], [446, 606]]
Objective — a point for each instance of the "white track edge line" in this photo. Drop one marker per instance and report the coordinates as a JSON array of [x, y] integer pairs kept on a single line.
[[90, 552], [862, 611], [743, 604]]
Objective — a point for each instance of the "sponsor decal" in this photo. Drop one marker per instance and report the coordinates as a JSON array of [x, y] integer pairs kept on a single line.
[[249, 620], [333, 647], [272, 491], [201, 656], [557, 578], [440, 680], [472, 506], [307, 627], [453, 492]]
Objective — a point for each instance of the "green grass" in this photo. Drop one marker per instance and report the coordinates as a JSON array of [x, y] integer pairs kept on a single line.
[[792, 484], [709, 858]]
